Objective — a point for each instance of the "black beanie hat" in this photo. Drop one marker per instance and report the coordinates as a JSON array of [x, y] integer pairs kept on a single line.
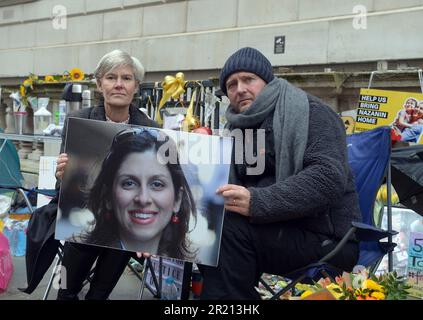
[[249, 60]]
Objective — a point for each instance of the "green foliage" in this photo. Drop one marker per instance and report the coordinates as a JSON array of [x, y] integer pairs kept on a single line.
[[396, 287]]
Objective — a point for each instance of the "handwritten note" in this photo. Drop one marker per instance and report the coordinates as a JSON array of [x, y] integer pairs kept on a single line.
[[415, 264]]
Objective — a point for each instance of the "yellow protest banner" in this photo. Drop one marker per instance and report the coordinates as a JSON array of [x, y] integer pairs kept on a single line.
[[403, 111]]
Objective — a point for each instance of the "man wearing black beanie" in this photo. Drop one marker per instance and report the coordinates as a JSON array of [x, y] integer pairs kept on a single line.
[[293, 210]]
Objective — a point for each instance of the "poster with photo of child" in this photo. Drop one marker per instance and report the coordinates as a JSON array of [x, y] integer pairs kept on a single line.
[[402, 111]]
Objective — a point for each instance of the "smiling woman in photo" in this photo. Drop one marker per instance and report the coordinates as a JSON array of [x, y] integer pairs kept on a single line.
[[140, 202]]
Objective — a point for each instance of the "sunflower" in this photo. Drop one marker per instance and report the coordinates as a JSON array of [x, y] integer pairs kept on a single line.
[[77, 74]]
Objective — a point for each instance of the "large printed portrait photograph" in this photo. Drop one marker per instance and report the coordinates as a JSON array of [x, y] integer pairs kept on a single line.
[[144, 189]]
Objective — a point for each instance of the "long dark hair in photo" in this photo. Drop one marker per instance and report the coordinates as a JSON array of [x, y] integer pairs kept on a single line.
[[174, 242]]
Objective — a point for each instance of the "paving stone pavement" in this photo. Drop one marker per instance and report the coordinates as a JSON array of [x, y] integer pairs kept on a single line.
[[126, 289]]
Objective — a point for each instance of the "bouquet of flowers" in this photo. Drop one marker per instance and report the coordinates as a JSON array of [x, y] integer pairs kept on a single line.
[[358, 286]]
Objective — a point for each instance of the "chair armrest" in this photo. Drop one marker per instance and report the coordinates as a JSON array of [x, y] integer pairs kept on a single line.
[[366, 232]]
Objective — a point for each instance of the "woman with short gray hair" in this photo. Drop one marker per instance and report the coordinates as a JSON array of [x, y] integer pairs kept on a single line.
[[118, 58], [118, 76]]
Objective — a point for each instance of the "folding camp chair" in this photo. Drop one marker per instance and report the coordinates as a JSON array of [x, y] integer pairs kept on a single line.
[[407, 176], [368, 154], [147, 266], [11, 178]]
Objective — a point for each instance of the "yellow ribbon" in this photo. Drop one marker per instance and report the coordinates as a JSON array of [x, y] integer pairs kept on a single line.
[[172, 87], [191, 122]]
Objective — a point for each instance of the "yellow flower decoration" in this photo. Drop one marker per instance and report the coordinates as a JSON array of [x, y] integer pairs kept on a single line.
[[357, 286], [301, 286], [26, 85], [358, 292], [28, 82], [306, 294], [335, 290], [372, 285], [65, 77], [22, 90], [172, 87], [76, 74], [378, 295], [382, 195], [49, 78]]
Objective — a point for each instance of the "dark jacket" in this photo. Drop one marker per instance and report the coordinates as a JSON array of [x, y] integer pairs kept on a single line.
[[322, 197], [41, 247]]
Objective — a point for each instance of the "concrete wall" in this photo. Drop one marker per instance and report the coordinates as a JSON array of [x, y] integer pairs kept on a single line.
[[200, 34]]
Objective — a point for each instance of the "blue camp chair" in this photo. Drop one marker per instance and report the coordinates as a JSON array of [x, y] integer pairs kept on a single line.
[[10, 169], [369, 157], [11, 178], [368, 154]]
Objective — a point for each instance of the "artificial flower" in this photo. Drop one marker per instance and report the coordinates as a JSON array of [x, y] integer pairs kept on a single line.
[[28, 82], [27, 85], [76, 74], [49, 78], [66, 76], [22, 90]]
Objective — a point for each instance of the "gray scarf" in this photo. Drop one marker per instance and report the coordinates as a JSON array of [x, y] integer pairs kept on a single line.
[[290, 108]]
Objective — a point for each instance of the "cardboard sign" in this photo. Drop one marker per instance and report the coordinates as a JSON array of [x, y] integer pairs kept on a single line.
[[415, 264]]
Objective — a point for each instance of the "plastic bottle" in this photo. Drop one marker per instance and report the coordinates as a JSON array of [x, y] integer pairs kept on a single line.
[[169, 290], [42, 117], [62, 112], [86, 99], [13, 240]]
